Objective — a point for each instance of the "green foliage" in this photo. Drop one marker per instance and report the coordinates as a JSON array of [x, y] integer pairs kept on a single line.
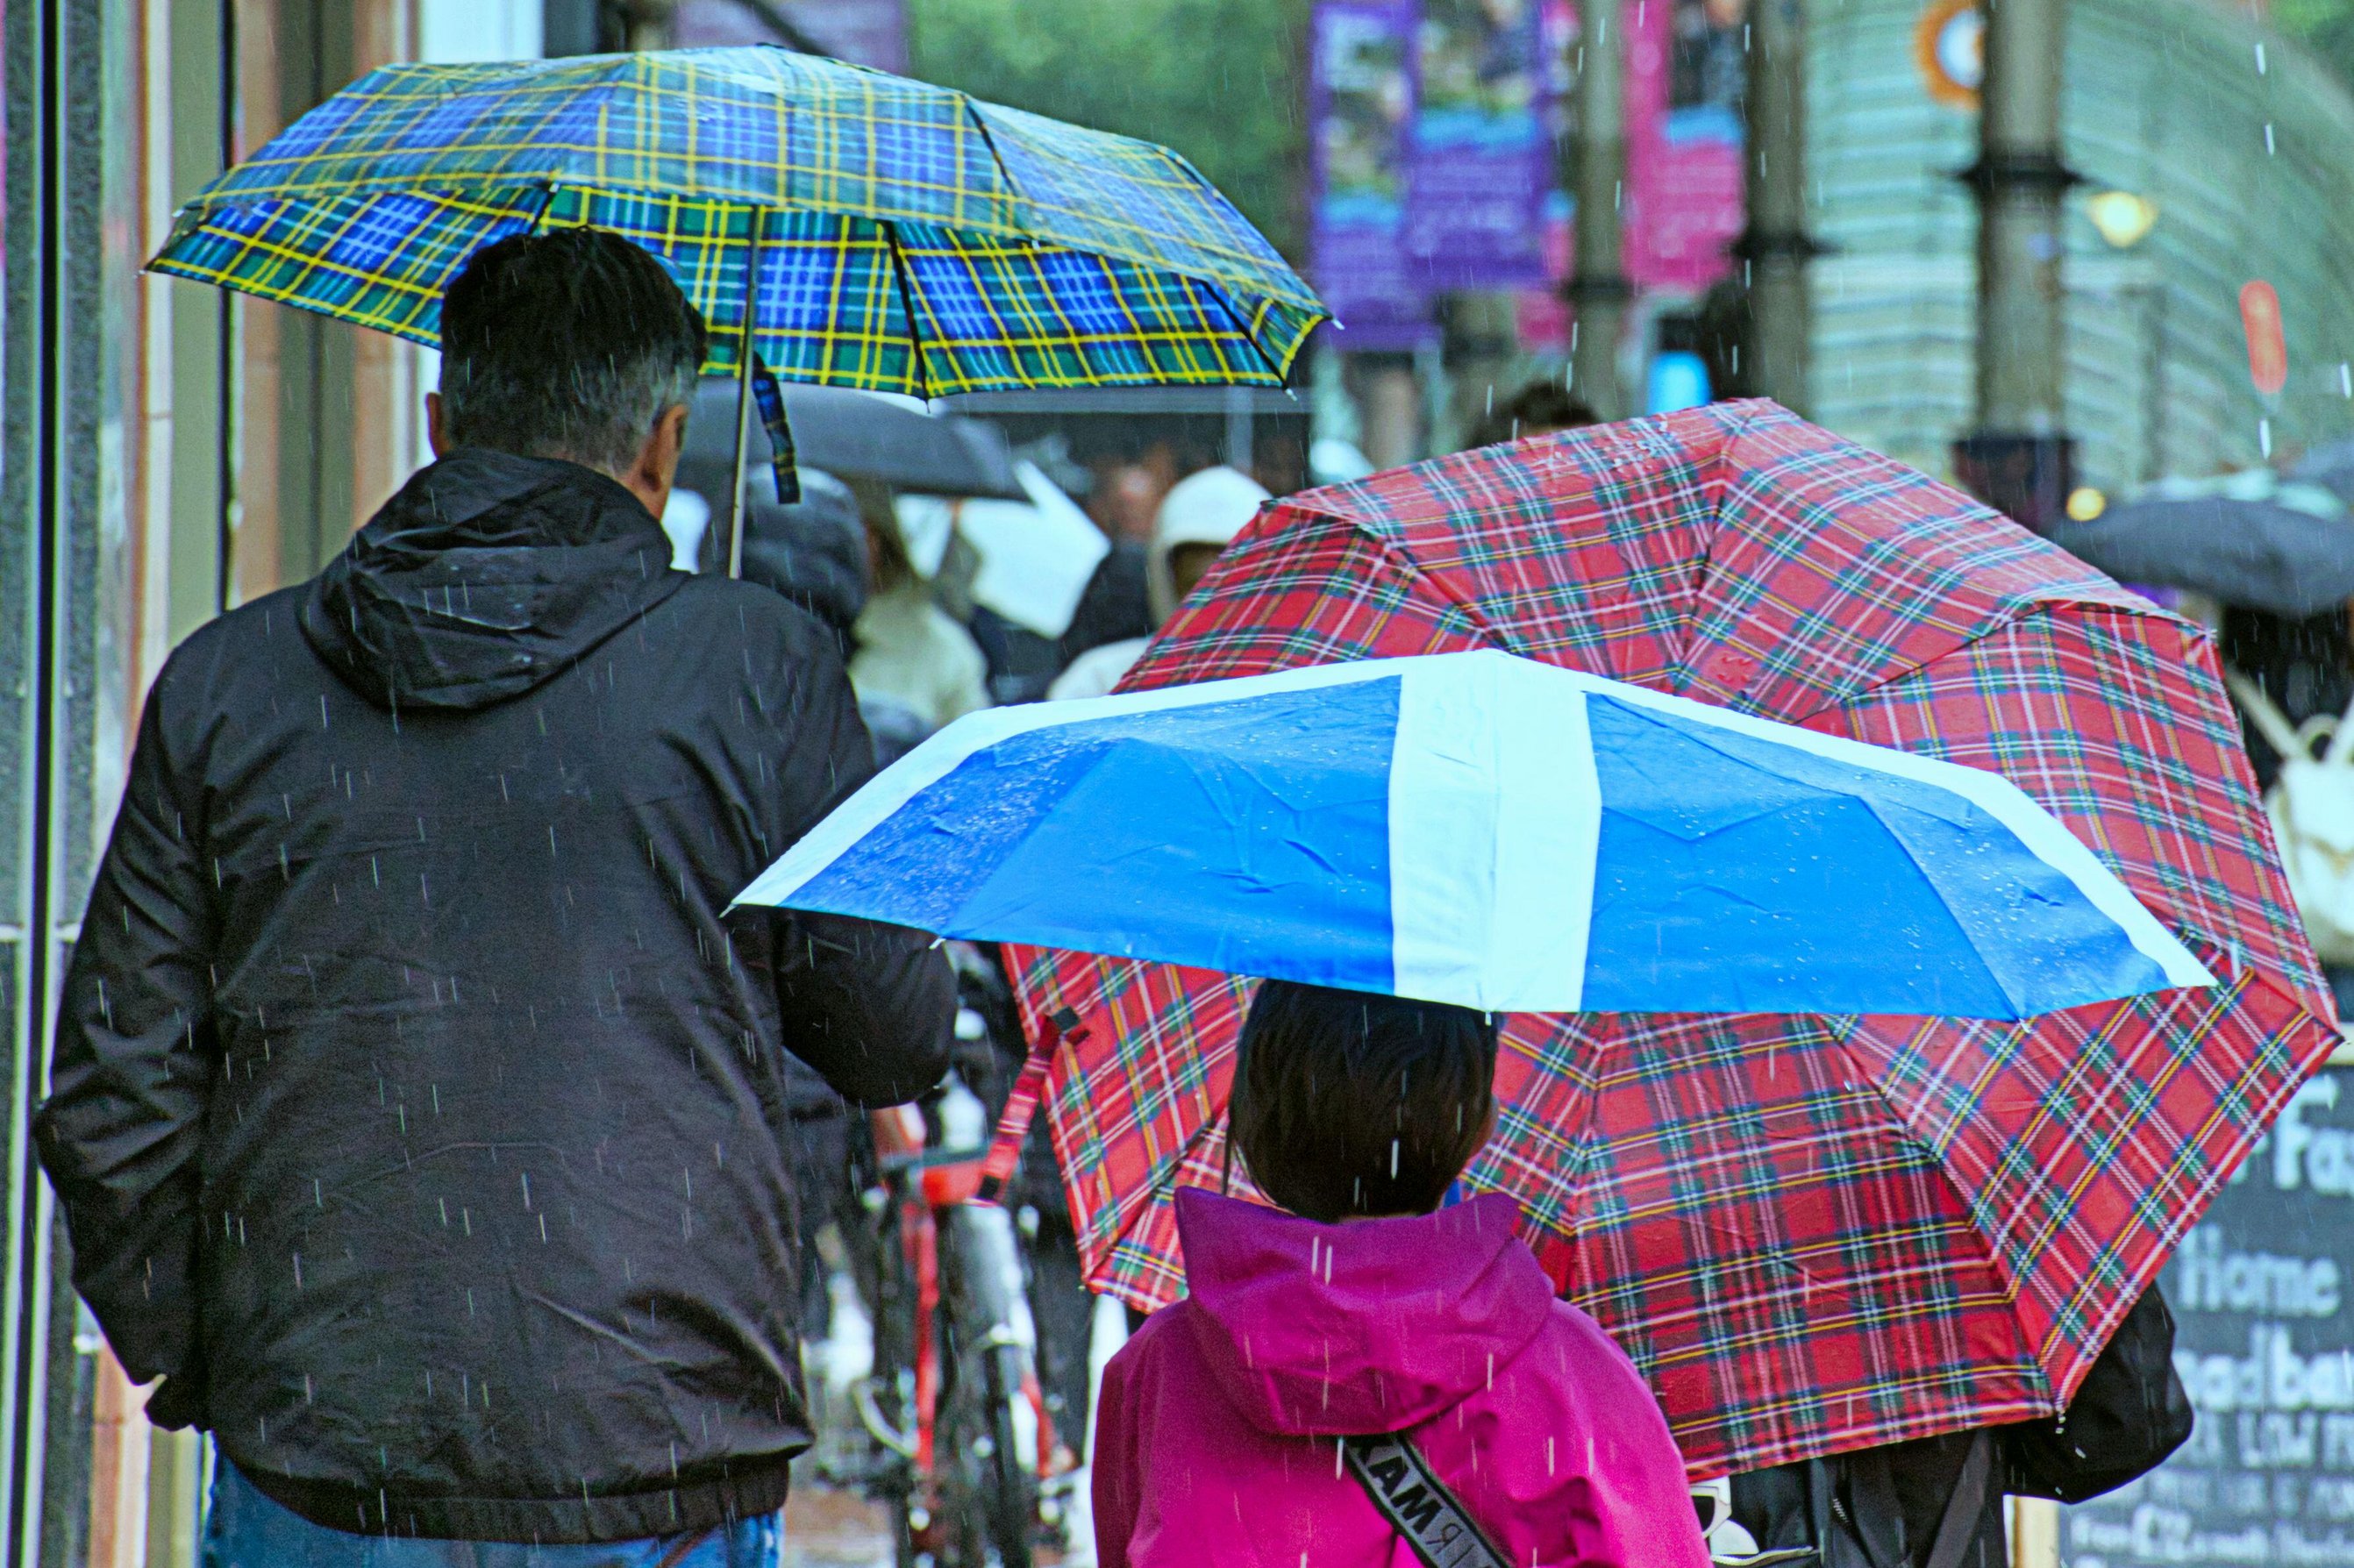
[[2299, 17], [1219, 80], [2325, 26]]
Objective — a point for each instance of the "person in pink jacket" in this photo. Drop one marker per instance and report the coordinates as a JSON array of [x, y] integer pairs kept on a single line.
[[1370, 1308]]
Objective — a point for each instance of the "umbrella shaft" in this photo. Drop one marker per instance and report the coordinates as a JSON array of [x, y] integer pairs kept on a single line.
[[738, 503]]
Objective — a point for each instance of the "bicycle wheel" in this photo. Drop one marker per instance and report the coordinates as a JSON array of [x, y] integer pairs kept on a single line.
[[884, 1399], [984, 1491], [994, 1459], [1009, 1502]]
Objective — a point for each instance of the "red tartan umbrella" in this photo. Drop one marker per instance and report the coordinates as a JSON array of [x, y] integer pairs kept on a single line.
[[1812, 1234]]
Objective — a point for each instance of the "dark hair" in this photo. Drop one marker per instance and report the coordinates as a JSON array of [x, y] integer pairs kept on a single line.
[[1347, 1103], [887, 546], [566, 345], [1538, 407]]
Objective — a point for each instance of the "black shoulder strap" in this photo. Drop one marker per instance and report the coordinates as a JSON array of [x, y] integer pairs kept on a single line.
[[1958, 1528], [1862, 1536], [1418, 1504]]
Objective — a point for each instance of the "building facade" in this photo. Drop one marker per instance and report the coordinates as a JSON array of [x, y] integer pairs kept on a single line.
[[2236, 140], [167, 452]]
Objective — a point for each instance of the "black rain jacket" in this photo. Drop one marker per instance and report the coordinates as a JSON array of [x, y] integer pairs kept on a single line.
[[416, 1113]]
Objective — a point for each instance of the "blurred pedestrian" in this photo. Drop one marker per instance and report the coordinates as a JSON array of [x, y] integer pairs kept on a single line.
[[1199, 518], [1245, 1423], [1331, 460], [2304, 667], [1115, 607], [416, 1111], [910, 652], [1129, 484], [813, 552], [1540, 408]]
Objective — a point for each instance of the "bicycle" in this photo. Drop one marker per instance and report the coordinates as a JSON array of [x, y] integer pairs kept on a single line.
[[953, 1401], [954, 1348], [960, 1439]]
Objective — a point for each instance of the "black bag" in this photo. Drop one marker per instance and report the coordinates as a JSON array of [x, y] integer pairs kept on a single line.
[[1937, 1502], [1930, 1503], [2130, 1413]]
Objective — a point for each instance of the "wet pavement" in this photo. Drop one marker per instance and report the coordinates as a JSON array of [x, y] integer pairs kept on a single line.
[[830, 1529], [827, 1528]]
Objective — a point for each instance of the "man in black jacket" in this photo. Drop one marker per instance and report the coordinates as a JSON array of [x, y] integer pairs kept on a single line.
[[419, 1117]]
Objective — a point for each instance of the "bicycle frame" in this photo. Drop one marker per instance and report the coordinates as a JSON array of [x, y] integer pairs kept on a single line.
[[933, 1199]]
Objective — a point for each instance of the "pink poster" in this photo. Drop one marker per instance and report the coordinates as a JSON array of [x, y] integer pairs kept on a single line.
[[1685, 76], [1686, 71]]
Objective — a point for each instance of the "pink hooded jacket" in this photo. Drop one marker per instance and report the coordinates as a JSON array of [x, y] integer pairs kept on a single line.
[[1216, 1431]]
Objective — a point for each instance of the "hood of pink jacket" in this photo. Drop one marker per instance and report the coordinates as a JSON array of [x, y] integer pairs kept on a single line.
[[1372, 1326]]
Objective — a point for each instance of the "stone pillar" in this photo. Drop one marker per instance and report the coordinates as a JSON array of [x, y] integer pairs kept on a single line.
[[1598, 292], [1776, 245], [1481, 339], [1389, 398], [2019, 458]]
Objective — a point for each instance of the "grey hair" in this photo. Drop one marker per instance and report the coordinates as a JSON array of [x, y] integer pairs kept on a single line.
[[597, 416]]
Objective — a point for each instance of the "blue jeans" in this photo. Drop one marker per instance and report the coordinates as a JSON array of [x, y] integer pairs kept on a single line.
[[246, 1529]]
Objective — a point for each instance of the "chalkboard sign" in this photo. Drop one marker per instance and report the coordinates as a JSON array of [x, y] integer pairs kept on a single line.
[[2263, 1294]]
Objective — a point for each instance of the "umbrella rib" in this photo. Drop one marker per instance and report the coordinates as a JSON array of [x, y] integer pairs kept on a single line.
[[1227, 307], [1140, 1203], [1018, 201], [1014, 200], [907, 306]]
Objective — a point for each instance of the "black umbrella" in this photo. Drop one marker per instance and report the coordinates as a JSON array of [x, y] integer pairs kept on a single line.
[[2286, 549], [863, 436]]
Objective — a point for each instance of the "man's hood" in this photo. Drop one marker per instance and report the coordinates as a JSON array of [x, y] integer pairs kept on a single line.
[[1374, 1326], [1206, 508], [486, 576]]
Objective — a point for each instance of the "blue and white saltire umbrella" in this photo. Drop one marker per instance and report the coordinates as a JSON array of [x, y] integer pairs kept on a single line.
[[1484, 830]]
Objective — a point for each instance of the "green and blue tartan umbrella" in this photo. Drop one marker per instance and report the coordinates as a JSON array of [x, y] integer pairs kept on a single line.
[[905, 238]]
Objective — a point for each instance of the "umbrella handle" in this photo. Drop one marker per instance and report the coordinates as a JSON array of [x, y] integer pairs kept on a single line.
[[1014, 1125], [738, 504]]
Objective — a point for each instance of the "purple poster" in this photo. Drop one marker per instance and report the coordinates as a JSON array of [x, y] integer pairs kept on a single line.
[[865, 32], [1360, 112], [1543, 313], [1482, 160]]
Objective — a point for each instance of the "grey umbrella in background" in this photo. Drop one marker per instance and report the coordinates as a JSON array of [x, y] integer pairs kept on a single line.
[[858, 435], [2330, 466], [2248, 539]]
